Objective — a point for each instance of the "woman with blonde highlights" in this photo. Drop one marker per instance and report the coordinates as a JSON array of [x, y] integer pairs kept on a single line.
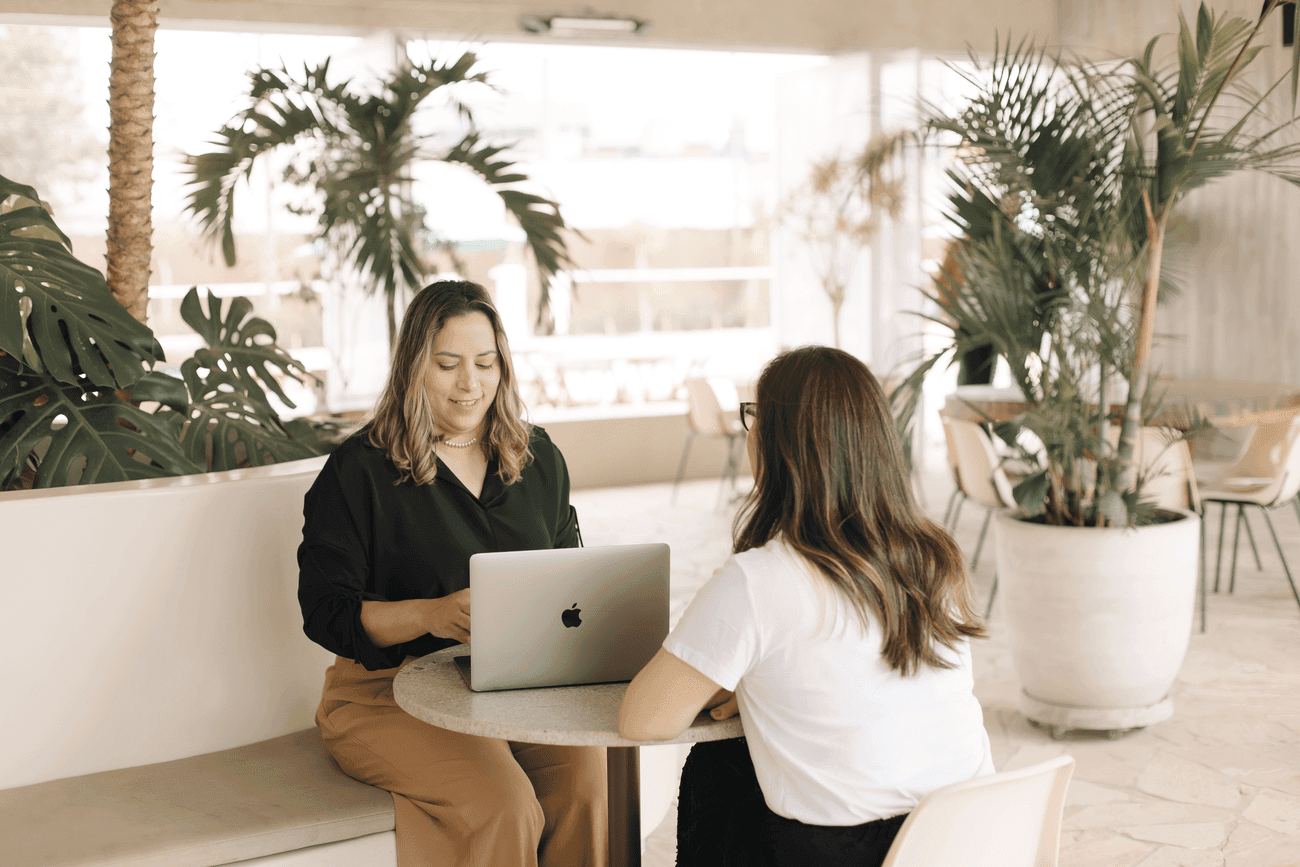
[[446, 469], [838, 630]]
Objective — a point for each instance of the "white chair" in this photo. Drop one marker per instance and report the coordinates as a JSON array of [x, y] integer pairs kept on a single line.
[[1011, 819], [707, 418], [1265, 493], [981, 478]]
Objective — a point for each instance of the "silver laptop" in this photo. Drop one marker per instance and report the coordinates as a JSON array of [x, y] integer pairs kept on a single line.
[[565, 616]]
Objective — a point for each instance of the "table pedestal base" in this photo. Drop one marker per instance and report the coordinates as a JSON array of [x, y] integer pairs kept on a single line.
[[623, 771]]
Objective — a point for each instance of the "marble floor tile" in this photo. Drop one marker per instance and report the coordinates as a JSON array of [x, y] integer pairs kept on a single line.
[[1274, 810], [1195, 835], [1174, 857], [1228, 758], [1246, 835], [1176, 779]]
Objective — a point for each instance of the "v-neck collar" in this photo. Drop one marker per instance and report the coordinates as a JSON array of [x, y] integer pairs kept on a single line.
[[492, 486]]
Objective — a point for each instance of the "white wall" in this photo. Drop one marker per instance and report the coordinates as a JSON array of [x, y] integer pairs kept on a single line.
[[1238, 317]]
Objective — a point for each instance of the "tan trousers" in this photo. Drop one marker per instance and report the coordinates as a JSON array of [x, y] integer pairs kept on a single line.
[[462, 800]]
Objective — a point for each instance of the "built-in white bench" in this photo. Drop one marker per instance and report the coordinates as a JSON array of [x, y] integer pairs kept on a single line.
[[159, 696]]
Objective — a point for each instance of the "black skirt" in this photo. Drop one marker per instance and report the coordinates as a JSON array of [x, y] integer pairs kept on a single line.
[[723, 821]]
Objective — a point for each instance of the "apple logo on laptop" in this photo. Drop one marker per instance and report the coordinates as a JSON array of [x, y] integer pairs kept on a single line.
[[570, 616]]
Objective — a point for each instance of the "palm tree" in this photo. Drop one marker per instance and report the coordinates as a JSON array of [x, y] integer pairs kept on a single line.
[[130, 153], [356, 151], [1068, 176], [1182, 144]]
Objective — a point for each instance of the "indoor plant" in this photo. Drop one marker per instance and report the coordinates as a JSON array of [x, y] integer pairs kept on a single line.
[[1068, 174], [354, 151], [77, 377]]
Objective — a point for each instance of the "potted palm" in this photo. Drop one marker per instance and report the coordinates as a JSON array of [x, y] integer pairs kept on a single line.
[[1067, 177]]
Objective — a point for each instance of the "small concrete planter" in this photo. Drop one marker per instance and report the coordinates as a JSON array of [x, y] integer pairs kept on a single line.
[[1099, 618]]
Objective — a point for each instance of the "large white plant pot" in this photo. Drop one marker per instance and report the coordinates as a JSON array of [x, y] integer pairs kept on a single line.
[[1099, 619]]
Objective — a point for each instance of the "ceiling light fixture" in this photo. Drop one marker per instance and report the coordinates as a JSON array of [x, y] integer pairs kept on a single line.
[[584, 25]]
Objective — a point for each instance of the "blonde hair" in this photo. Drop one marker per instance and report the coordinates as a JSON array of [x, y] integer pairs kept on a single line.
[[404, 422]]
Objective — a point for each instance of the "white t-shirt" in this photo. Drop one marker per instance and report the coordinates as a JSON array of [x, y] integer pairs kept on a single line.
[[836, 736]]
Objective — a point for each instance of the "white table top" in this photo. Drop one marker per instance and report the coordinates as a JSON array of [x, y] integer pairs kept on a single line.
[[431, 689]]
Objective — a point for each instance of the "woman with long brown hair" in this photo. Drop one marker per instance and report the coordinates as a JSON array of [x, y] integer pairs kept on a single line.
[[447, 468], [841, 623]]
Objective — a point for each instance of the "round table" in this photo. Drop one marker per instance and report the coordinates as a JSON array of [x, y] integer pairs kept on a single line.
[[431, 689]]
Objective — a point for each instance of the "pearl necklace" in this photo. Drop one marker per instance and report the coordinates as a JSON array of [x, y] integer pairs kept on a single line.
[[463, 445]]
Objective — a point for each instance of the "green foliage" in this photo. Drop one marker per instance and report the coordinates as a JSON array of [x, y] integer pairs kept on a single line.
[[1067, 177], [354, 152], [72, 360], [56, 313], [241, 347], [80, 435]]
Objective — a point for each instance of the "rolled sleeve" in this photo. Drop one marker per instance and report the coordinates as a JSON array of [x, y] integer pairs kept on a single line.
[[332, 575]]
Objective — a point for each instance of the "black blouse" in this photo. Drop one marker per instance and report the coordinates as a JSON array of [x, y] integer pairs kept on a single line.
[[365, 537]]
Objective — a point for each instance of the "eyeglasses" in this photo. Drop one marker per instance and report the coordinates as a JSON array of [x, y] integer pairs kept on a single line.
[[748, 412]]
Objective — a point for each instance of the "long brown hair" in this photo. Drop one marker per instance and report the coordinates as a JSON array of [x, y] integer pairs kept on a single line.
[[830, 480], [404, 421]]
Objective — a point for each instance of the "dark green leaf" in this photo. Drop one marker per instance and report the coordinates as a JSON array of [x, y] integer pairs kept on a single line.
[[1031, 493], [74, 325], [243, 346], [162, 388], [92, 436], [227, 429]]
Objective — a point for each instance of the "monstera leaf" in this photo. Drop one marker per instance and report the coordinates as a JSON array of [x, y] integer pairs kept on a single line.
[[244, 347], [223, 427], [57, 314], [93, 436]]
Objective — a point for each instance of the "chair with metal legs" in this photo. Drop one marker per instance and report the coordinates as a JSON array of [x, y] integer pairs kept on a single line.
[[981, 479], [707, 418], [1265, 493]]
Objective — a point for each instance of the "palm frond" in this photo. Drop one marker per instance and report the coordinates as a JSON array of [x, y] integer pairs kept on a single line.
[[539, 217]]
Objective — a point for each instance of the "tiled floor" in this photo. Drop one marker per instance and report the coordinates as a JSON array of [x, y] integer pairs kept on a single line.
[[1218, 785]]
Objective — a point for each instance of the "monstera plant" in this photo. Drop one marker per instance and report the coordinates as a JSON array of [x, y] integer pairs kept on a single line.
[[77, 373]]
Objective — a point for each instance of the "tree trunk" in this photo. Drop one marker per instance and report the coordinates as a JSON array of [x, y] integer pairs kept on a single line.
[[130, 153]]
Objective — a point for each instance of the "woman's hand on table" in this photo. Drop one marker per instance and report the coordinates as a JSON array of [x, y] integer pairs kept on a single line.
[[389, 623], [664, 699], [722, 705]]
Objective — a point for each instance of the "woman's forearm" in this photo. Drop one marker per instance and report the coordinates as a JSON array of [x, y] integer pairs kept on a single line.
[[389, 623]]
